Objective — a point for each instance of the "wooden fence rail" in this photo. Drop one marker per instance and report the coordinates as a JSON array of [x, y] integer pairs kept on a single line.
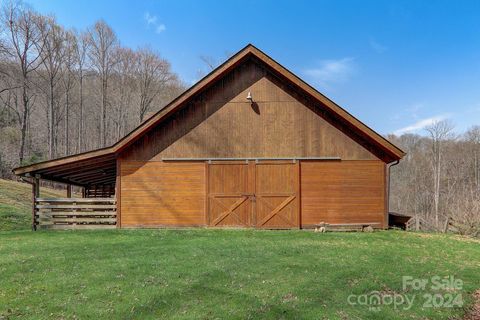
[[75, 213], [419, 224]]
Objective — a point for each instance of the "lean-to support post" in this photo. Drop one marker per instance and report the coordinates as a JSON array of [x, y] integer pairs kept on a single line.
[[35, 195]]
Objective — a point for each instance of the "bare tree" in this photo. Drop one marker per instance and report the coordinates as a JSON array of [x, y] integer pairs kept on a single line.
[[153, 73], [125, 73], [439, 131], [103, 43], [473, 137], [20, 38], [41, 67], [209, 61], [81, 50], [68, 77], [52, 42]]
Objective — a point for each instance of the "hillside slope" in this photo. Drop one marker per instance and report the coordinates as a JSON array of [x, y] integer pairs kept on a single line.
[[16, 204]]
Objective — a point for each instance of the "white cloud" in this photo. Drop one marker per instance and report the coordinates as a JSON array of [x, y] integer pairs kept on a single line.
[[331, 71], [421, 124], [160, 28], [376, 46], [149, 18], [152, 20]]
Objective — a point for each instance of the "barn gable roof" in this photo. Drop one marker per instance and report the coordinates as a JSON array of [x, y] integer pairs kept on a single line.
[[390, 150]]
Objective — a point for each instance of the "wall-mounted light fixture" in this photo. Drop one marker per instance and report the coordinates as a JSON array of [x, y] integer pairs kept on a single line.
[[249, 97]]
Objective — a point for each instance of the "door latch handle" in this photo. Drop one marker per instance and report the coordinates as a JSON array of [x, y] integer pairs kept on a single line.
[[252, 196]]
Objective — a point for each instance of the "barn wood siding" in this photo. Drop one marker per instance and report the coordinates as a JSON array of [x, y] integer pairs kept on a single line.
[[162, 194], [342, 192], [261, 195], [277, 195], [221, 123], [229, 186]]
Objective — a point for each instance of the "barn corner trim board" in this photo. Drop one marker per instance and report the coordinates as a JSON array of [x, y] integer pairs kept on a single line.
[[249, 145]]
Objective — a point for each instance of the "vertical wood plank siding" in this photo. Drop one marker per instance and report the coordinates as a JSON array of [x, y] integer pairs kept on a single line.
[[221, 123], [162, 194]]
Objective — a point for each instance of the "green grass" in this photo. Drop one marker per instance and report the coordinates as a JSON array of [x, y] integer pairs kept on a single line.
[[219, 274], [16, 204], [216, 274]]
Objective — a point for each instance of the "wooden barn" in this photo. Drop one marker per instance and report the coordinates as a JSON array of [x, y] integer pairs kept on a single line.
[[249, 145]]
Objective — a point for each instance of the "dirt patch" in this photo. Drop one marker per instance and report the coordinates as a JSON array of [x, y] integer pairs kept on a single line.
[[457, 237], [474, 313], [289, 298], [466, 239]]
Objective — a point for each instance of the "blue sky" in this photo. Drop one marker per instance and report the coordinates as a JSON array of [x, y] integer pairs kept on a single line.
[[396, 65]]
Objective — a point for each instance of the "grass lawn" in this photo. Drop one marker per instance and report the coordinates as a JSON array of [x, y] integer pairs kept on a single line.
[[218, 274], [16, 204]]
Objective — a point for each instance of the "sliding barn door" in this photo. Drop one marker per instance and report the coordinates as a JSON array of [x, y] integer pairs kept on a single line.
[[157, 193], [343, 192], [262, 195], [230, 195], [276, 193]]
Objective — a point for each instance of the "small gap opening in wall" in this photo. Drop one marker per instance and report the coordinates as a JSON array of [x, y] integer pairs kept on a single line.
[[250, 159]]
